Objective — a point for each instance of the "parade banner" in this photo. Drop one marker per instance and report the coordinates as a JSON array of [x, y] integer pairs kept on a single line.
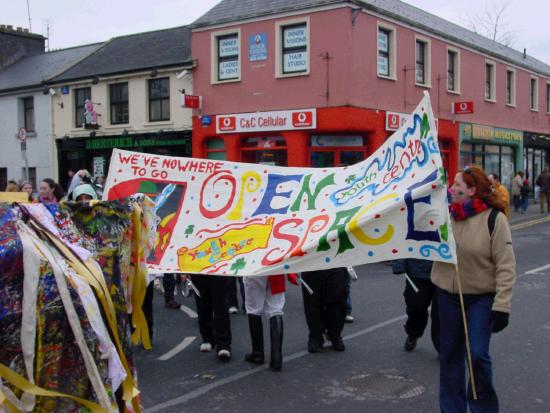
[[228, 218]]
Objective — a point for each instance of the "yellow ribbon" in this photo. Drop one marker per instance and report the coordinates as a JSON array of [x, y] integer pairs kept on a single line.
[[90, 274], [139, 283], [21, 383]]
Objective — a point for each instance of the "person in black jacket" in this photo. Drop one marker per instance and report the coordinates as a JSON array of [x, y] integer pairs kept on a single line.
[[418, 302]]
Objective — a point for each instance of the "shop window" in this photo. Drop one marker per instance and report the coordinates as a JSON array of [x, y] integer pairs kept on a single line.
[[268, 150], [118, 94], [226, 56], [453, 70], [510, 87], [215, 149], [3, 178], [28, 113], [334, 150], [80, 97], [534, 94], [422, 66], [386, 51], [292, 45], [490, 81], [159, 99]]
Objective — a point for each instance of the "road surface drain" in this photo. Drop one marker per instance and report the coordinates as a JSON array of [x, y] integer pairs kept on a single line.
[[384, 386]]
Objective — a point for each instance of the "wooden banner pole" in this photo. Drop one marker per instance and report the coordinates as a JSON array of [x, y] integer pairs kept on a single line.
[[468, 351]]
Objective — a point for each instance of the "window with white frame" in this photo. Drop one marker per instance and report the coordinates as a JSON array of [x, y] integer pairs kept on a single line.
[[227, 48], [386, 51], [534, 95], [453, 70], [292, 46], [422, 62], [28, 113], [510, 87], [489, 81]]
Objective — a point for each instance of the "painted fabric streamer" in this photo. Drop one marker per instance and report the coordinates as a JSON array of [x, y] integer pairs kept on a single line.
[[233, 218], [74, 244]]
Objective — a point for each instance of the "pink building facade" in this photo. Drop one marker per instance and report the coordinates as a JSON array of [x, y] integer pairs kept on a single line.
[[355, 72]]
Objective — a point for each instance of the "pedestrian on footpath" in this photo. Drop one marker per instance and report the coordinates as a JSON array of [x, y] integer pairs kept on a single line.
[[543, 182], [213, 314], [524, 192], [486, 266], [517, 183], [265, 296], [502, 192], [325, 309], [418, 302], [12, 186]]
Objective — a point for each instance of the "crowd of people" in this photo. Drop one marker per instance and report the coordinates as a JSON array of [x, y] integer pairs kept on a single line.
[[486, 268], [479, 287]]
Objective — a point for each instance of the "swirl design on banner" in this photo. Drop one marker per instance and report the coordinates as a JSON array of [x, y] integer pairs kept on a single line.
[[400, 159], [443, 250]]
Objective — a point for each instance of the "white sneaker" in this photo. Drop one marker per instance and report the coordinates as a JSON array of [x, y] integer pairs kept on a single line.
[[349, 319], [205, 347], [224, 354], [233, 310]]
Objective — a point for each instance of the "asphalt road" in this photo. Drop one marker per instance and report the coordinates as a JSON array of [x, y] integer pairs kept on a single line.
[[374, 374]]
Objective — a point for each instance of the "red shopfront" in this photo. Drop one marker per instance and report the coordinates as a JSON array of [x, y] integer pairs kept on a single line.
[[321, 137]]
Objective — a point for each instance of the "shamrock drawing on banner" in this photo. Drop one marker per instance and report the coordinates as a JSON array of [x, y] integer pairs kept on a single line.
[[239, 264]]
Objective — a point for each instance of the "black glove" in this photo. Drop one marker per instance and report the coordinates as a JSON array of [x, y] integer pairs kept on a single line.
[[500, 320]]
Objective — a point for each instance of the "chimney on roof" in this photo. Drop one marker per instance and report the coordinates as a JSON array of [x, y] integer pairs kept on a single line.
[[524, 53], [17, 44]]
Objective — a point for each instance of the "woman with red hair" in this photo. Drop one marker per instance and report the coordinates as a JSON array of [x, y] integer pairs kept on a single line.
[[486, 264]]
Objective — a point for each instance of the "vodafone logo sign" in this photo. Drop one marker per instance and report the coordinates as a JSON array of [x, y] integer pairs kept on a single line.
[[302, 119], [267, 121], [227, 123], [462, 108]]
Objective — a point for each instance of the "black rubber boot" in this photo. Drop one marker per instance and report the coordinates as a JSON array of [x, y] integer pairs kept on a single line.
[[276, 327], [257, 336]]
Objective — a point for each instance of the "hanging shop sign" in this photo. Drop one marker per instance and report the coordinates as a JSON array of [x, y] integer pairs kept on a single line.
[[267, 121], [462, 108], [190, 101], [394, 120]]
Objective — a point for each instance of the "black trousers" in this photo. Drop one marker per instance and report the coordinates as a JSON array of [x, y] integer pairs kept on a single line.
[[232, 293], [212, 309], [326, 307], [147, 307], [169, 285], [417, 309]]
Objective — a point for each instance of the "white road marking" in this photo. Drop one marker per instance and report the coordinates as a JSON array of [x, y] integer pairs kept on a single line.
[[188, 311], [181, 346], [237, 376], [538, 270]]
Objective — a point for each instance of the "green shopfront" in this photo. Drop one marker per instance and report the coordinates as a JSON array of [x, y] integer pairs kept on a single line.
[[94, 153], [497, 150]]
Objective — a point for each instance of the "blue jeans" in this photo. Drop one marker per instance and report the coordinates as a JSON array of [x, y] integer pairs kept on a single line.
[[452, 372], [517, 203], [524, 203]]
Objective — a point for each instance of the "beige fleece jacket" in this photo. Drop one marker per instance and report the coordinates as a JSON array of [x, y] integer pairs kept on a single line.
[[487, 264]]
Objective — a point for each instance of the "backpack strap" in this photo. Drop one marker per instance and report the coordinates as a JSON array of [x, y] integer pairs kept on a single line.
[[492, 219]]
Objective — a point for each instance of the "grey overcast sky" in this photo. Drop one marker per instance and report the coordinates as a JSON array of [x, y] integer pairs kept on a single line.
[[75, 23]]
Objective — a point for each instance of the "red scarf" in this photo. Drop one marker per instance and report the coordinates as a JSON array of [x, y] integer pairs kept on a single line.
[[466, 209]]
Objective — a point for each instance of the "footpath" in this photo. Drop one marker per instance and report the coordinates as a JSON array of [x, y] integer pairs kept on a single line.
[[531, 216]]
